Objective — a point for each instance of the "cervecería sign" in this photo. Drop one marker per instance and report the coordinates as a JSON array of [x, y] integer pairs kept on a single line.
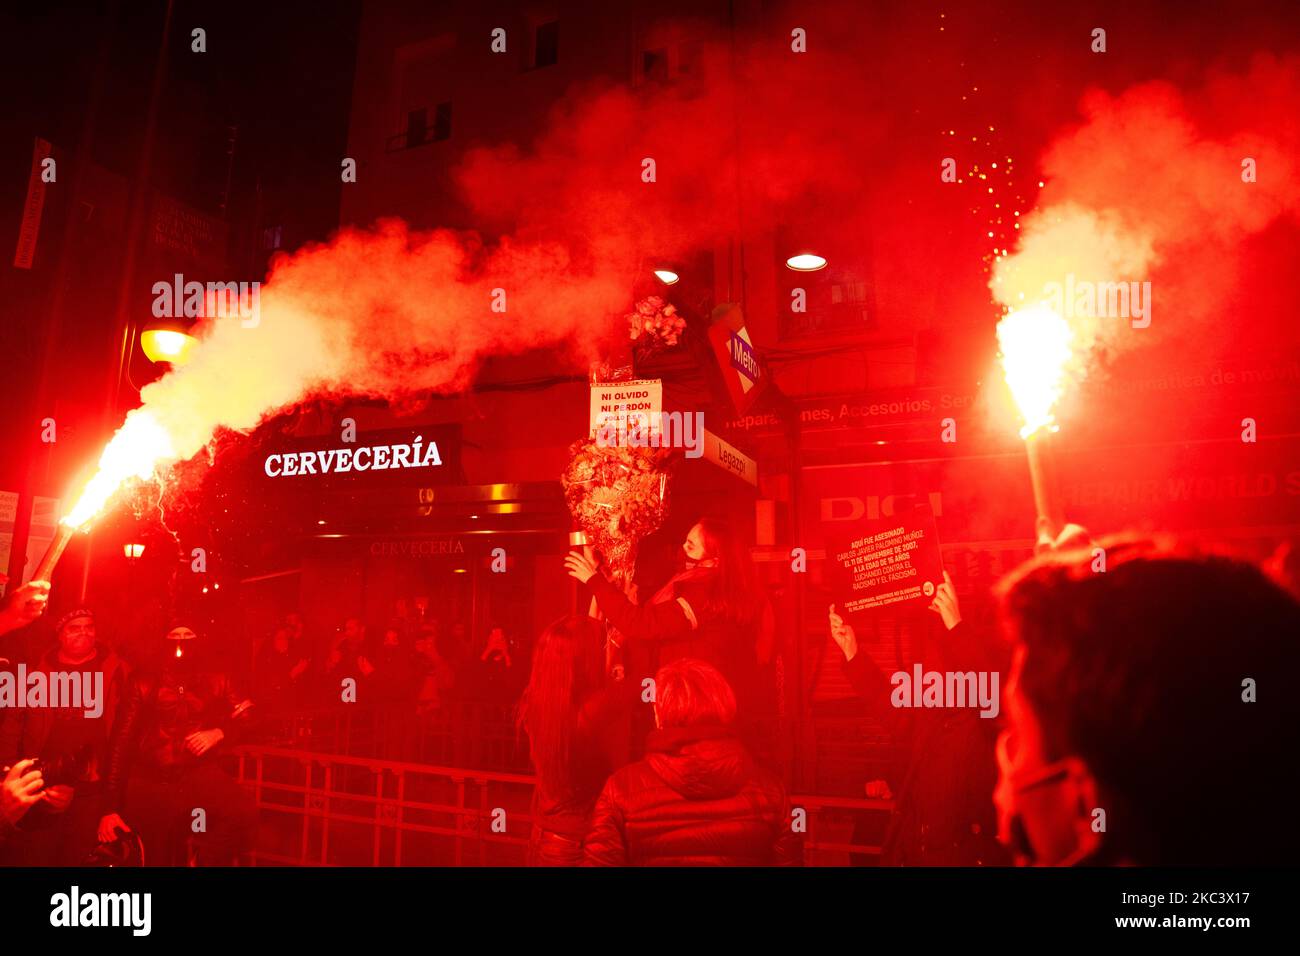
[[413, 454], [417, 547]]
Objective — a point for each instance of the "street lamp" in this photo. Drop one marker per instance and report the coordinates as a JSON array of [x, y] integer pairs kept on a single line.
[[132, 551], [164, 340]]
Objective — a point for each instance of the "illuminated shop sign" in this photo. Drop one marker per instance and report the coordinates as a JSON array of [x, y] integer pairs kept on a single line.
[[415, 454], [416, 547]]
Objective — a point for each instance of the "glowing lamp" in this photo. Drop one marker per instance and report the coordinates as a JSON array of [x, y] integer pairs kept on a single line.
[[170, 343], [806, 262], [132, 551], [667, 276]]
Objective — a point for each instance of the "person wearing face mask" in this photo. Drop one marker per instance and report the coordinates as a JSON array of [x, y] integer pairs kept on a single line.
[[710, 610], [175, 719], [1141, 726]]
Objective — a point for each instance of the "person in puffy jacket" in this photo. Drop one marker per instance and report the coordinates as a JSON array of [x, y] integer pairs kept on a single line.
[[698, 798]]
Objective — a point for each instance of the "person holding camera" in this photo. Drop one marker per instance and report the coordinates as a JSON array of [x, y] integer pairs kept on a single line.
[[72, 747]]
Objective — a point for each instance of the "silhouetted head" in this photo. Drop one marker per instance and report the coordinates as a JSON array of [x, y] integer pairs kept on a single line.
[[1150, 718]]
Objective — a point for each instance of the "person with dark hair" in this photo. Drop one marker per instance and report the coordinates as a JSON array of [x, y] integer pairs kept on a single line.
[[392, 688], [711, 610], [163, 769], [1151, 720], [279, 674], [495, 670], [572, 717], [347, 659], [72, 746], [698, 798], [436, 675]]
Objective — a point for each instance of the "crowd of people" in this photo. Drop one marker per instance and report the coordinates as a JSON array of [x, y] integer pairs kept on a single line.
[[410, 663], [1146, 719]]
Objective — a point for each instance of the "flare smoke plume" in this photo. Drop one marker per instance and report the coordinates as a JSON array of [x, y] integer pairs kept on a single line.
[[1149, 187]]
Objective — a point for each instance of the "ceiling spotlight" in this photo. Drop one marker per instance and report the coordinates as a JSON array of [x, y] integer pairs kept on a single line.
[[806, 262]]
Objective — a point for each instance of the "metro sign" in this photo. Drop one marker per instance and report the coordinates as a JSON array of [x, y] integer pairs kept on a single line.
[[739, 363]]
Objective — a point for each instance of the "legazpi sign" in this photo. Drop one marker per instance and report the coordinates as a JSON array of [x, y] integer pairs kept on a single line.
[[729, 458]]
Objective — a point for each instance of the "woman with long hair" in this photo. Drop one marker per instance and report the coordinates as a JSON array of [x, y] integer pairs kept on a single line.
[[710, 610], [570, 716]]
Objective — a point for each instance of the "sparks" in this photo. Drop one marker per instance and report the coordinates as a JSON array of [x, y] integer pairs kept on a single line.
[[135, 451]]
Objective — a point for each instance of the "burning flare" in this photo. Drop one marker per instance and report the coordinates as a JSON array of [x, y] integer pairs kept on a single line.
[[139, 446], [1036, 349]]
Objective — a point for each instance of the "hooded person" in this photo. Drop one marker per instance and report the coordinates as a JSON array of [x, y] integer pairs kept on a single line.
[[175, 721]]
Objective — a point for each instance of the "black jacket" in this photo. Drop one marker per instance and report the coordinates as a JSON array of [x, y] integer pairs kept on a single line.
[[945, 771], [697, 799], [160, 710], [703, 632], [24, 731]]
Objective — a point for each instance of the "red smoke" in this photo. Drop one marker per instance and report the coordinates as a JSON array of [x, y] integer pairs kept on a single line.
[[1159, 172], [847, 137]]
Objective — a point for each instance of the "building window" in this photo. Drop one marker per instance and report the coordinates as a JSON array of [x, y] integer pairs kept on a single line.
[[546, 45], [654, 65], [418, 132], [442, 122], [417, 127], [838, 299]]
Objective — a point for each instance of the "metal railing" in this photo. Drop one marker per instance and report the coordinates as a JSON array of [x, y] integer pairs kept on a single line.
[[321, 809]]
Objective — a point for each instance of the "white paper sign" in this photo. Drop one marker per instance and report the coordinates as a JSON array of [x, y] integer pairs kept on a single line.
[[627, 406]]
